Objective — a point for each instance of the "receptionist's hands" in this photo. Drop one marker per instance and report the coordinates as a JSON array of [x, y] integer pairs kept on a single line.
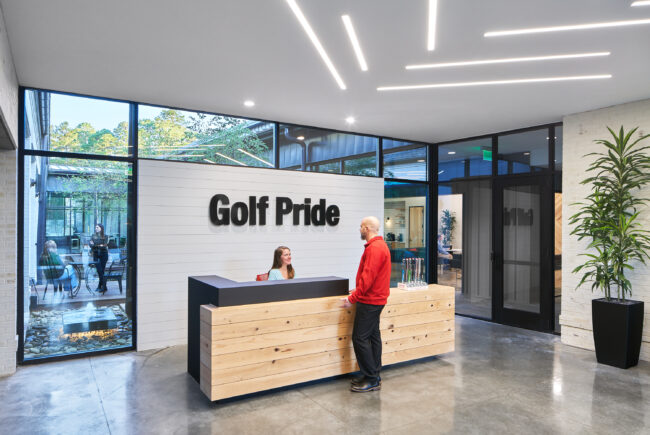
[[345, 303]]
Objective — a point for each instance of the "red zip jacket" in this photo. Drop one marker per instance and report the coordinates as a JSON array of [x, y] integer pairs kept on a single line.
[[373, 276]]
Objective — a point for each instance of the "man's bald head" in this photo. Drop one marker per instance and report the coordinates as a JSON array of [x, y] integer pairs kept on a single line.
[[369, 227], [372, 223]]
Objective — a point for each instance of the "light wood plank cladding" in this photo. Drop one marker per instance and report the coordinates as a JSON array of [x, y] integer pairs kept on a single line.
[[251, 348]]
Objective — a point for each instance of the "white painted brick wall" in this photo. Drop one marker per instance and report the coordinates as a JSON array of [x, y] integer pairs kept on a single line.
[[580, 131], [7, 262]]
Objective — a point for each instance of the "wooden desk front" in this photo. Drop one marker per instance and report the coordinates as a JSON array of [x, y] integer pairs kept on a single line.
[[251, 348]]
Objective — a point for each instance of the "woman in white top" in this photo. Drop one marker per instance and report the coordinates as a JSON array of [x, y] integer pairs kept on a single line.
[[282, 268]]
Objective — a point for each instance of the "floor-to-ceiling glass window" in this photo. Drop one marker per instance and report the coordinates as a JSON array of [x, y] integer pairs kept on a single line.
[[77, 226], [464, 236]]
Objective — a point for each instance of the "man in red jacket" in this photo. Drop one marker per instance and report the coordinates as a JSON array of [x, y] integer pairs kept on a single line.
[[370, 295]]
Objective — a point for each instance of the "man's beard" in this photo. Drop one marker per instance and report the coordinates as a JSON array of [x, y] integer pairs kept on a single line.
[[362, 238]]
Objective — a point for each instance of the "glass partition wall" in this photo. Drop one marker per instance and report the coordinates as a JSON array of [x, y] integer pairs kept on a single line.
[[78, 169]]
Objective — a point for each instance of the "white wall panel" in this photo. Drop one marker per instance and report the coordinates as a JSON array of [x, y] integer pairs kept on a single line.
[[176, 238]]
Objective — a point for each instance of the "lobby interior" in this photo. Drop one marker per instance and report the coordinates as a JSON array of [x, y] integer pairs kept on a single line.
[[456, 110]]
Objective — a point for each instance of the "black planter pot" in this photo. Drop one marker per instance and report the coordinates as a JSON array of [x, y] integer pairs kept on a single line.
[[617, 331]]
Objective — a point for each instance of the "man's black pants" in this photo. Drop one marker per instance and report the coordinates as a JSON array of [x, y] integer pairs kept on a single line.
[[366, 339]]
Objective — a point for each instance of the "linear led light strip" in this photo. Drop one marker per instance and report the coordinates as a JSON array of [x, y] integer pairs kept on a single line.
[[641, 3], [569, 27], [255, 157], [347, 22], [232, 160], [433, 13], [314, 40], [507, 60], [493, 82]]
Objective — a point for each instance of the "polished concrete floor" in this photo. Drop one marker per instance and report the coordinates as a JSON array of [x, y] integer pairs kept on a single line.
[[500, 380]]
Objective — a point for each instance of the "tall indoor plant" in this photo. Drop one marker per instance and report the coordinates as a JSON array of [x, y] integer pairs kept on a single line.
[[609, 219]]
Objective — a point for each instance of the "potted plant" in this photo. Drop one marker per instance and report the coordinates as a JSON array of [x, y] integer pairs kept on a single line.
[[447, 226], [608, 218]]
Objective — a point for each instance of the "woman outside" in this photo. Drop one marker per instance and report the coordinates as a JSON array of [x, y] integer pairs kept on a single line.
[[99, 245], [55, 270], [282, 268]]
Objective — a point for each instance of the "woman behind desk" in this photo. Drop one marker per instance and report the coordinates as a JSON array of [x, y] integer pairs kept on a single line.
[[282, 268]]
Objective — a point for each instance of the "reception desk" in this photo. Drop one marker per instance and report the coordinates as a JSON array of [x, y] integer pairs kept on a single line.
[[256, 347], [221, 292]]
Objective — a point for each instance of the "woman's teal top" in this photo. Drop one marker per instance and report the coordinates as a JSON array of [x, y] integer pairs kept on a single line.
[[275, 274]]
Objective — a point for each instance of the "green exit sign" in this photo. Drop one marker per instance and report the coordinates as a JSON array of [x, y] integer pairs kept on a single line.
[[487, 155]]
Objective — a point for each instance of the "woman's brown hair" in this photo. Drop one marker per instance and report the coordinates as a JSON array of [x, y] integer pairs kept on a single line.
[[277, 261]]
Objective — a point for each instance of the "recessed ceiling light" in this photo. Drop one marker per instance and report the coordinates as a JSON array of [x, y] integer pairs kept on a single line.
[[507, 60], [641, 3], [350, 119], [526, 153], [451, 152], [301, 138], [249, 103], [493, 82], [433, 13], [546, 137], [565, 28], [421, 160], [440, 172], [232, 160], [347, 22], [256, 158], [314, 40]]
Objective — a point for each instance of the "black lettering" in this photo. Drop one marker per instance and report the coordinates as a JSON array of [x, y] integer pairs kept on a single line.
[[261, 207], [251, 207], [307, 207], [318, 213], [239, 208], [296, 213], [219, 216], [332, 215], [283, 205]]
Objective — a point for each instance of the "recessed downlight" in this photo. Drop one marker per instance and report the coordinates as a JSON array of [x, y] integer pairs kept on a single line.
[[526, 153], [347, 22], [350, 120], [566, 28], [451, 153], [314, 40], [641, 3], [507, 60], [249, 103], [301, 138], [493, 82], [421, 161]]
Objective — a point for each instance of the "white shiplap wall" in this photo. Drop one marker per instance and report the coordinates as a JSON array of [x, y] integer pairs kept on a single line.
[[176, 238]]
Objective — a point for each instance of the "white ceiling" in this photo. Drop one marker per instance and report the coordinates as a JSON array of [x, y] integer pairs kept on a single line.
[[213, 55]]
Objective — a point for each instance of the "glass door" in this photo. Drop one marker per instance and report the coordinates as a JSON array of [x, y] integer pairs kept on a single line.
[[522, 256]]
